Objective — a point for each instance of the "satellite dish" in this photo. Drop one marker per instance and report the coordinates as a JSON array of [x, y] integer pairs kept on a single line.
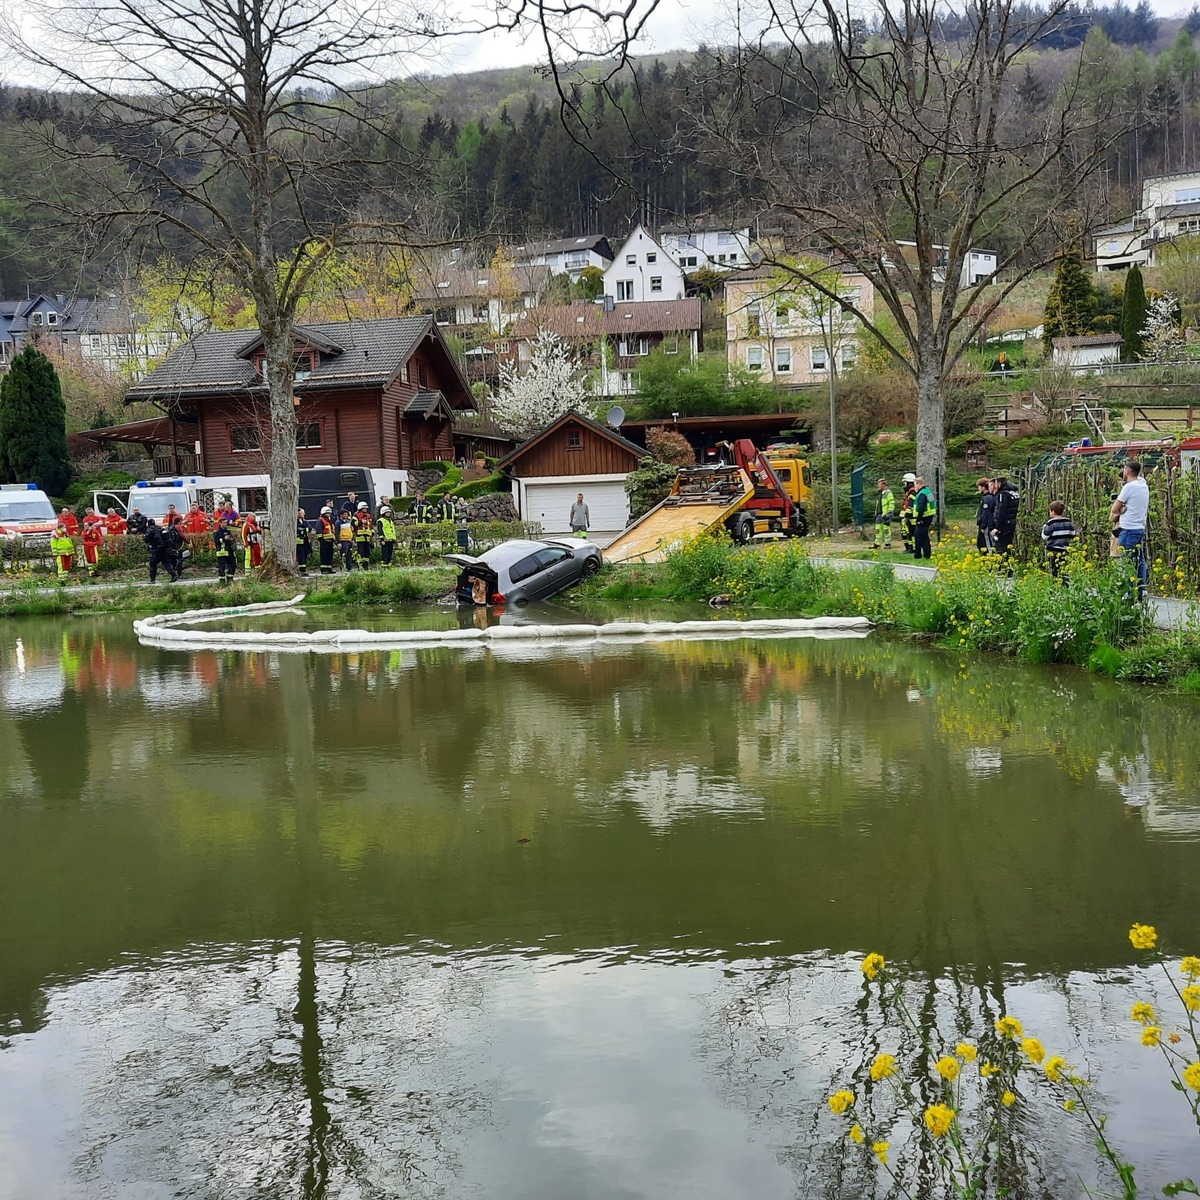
[[616, 416]]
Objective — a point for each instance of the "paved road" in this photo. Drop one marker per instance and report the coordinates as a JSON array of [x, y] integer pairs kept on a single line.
[[1167, 613]]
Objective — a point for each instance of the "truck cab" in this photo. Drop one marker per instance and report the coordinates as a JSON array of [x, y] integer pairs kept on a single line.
[[782, 493], [26, 513]]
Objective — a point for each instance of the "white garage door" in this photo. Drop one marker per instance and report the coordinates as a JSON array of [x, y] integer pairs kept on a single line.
[[550, 505]]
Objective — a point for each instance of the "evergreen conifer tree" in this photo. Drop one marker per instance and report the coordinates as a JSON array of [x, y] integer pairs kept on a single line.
[[1070, 303], [1133, 315], [33, 424]]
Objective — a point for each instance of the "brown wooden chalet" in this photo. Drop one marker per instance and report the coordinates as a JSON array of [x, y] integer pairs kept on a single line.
[[373, 393]]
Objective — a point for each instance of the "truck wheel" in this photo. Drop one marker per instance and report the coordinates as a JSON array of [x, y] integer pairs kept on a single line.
[[800, 529], [743, 531]]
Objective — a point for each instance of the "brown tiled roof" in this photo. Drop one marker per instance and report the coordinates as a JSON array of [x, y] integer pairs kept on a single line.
[[1089, 339], [593, 320], [443, 284]]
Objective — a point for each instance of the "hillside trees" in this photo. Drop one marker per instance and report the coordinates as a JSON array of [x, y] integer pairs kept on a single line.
[[910, 135], [33, 424], [1070, 302]]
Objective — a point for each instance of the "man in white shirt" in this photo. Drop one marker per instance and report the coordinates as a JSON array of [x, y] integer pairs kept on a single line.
[[580, 518], [1129, 511]]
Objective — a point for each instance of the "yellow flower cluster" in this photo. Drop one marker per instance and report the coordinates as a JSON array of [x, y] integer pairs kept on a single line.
[[1191, 997], [987, 1070], [880, 1150], [840, 1101], [1190, 966], [872, 965], [1191, 1076], [939, 1118], [1143, 1013], [856, 1135], [1143, 937], [1151, 1035], [1034, 1050], [883, 1066], [948, 1068], [1008, 1099], [1009, 1027], [1054, 1068], [966, 1052]]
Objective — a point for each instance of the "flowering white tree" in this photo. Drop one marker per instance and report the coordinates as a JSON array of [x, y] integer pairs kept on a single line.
[[552, 383], [1162, 339]]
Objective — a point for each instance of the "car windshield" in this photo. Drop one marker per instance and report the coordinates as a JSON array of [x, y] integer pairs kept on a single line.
[[155, 504], [25, 510]]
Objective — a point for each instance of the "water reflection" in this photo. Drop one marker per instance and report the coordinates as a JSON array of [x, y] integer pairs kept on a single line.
[[564, 923]]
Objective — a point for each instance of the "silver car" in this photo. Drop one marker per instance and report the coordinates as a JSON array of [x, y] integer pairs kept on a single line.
[[519, 571]]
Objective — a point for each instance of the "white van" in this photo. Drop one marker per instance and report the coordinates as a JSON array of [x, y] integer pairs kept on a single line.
[[26, 513]]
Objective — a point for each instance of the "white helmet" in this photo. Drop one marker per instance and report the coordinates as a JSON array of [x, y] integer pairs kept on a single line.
[[327, 511], [909, 477], [385, 511], [363, 506]]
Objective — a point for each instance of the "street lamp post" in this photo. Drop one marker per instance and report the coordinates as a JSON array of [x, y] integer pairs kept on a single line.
[[833, 485]]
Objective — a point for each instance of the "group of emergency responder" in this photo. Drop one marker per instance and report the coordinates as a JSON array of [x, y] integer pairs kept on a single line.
[[915, 516]]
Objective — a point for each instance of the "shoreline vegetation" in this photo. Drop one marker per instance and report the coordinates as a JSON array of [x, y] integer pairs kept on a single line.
[[1087, 619]]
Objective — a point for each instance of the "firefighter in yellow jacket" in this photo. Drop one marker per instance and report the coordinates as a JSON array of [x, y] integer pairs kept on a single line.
[[885, 513], [63, 550]]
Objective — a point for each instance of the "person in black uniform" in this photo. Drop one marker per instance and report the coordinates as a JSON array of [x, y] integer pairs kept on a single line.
[[159, 554], [303, 543], [226, 547], [983, 516], [136, 522]]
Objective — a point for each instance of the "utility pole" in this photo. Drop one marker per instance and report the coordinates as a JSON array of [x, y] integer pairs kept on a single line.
[[833, 486]]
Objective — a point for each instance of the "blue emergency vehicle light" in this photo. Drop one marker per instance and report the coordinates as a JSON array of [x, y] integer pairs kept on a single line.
[[141, 483]]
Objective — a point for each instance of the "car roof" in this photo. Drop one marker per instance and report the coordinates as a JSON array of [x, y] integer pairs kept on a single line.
[[507, 553]]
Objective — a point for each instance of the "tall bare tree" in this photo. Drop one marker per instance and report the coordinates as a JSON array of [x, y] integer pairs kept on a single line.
[[246, 136], [888, 136]]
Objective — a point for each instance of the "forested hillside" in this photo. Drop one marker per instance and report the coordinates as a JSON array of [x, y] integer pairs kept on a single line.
[[493, 157]]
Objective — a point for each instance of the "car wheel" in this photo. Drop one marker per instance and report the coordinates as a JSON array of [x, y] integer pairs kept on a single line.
[[590, 567]]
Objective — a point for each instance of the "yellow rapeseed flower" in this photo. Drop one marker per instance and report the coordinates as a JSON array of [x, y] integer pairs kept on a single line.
[[1009, 1027], [1151, 1035], [939, 1117], [1191, 997], [1143, 937], [1143, 1013], [872, 965], [856, 1135], [840, 1101], [966, 1051], [1034, 1050], [947, 1067], [1008, 1099], [880, 1149], [1054, 1068], [1190, 966], [1069, 1104], [987, 1070], [883, 1066], [1191, 1076]]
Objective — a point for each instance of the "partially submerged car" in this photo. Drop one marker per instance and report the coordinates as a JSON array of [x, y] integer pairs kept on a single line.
[[519, 571]]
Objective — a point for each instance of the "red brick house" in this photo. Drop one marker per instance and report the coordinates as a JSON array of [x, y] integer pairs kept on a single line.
[[372, 393]]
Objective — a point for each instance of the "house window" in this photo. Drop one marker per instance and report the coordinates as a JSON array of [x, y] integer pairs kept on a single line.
[[631, 260], [656, 284], [404, 379], [52, 318], [819, 357], [36, 319], [726, 239], [245, 437], [122, 342], [574, 262], [1186, 195], [689, 261], [308, 435], [754, 321], [480, 312], [783, 360], [95, 340], [624, 289], [252, 500], [652, 258], [670, 345], [302, 365], [783, 312], [628, 382], [643, 346], [574, 440], [849, 355], [444, 316], [754, 358]]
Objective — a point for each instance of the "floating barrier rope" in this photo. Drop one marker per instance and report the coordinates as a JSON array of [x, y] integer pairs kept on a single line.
[[172, 631]]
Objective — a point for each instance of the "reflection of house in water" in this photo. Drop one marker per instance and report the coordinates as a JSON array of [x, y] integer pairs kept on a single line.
[[1158, 802]]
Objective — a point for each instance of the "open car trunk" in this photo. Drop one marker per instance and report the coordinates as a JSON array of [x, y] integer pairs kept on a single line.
[[476, 584]]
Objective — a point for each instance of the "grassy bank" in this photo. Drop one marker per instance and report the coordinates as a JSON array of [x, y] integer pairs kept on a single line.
[[34, 598], [971, 606]]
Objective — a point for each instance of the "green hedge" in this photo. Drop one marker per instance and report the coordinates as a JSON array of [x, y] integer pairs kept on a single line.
[[482, 487]]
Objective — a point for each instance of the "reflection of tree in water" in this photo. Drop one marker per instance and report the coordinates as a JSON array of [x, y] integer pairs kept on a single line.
[[782, 1034]]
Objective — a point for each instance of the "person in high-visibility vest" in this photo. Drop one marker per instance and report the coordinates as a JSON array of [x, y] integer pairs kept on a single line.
[[448, 509], [345, 530], [303, 543], [92, 539], [326, 536], [421, 510], [226, 548], [363, 533], [387, 535], [925, 510], [252, 536], [885, 510], [63, 550], [907, 516]]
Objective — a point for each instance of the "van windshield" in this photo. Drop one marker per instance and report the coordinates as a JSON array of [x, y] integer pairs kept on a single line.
[[155, 504], [27, 508]]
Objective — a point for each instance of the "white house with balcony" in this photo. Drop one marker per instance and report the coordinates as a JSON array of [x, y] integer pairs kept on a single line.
[[1170, 208], [720, 247], [565, 256], [785, 332], [643, 270]]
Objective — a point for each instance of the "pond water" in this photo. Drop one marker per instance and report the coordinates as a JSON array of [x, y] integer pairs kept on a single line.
[[576, 923]]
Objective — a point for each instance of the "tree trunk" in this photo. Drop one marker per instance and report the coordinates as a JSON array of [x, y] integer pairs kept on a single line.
[[284, 469], [931, 421]]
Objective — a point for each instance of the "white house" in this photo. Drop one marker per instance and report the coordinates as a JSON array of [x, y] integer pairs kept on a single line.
[[565, 256], [1084, 353], [1170, 208], [715, 246], [487, 299], [978, 265], [643, 270]]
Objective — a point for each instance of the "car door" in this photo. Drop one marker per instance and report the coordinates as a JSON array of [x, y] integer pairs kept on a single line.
[[557, 569]]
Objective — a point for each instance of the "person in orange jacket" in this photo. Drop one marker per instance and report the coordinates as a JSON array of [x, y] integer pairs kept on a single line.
[[252, 536], [114, 524], [93, 536], [70, 522], [196, 521], [92, 517]]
